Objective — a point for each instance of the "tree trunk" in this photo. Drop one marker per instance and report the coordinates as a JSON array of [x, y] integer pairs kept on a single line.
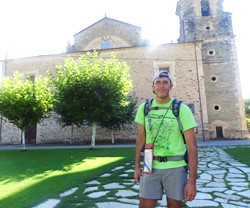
[[112, 136], [23, 139], [93, 135], [72, 134]]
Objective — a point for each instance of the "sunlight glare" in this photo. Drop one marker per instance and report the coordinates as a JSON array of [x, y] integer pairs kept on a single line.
[[11, 188]]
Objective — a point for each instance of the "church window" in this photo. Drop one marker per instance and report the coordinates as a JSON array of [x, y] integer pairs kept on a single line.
[[205, 10], [164, 69], [106, 44], [208, 28], [213, 78], [211, 52], [216, 107]]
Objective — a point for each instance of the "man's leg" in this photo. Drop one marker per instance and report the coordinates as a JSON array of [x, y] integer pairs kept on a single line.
[[147, 203], [171, 203]]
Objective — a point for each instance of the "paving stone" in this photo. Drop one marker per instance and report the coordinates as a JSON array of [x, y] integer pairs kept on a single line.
[[126, 193], [215, 172], [115, 205], [213, 166], [239, 184], [128, 183], [136, 186], [129, 171], [221, 200], [113, 186], [130, 201], [98, 194], [105, 175], [245, 169], [124, 175], [202, 203], [245, 193], [205, 176], [234, 180], [49, 203], [229, 206], [227, 196], [215, 184], [221, 176], [233, 175], [90, 189], [118, 168], [203, 196], [230, 192], [239, 204], [163, 201], [209, 190], [94, 182], [219, 180], [238, 188], [69, 192], [234, 170]]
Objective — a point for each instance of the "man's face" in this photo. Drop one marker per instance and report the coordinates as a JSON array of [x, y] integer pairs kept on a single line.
[[161, 87]]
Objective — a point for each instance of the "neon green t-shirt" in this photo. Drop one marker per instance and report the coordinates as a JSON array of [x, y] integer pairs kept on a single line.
[[168, 141]]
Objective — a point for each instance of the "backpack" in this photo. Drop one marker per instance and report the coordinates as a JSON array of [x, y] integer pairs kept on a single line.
[[175, 109]]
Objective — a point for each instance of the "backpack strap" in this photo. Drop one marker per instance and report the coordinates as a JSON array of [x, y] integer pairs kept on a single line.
[[176, 111], [147, 108]]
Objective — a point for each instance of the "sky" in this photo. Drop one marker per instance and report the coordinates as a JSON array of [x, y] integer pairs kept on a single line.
[[41, 27]]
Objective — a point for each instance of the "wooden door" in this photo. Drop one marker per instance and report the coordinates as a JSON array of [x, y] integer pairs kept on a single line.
[[30, 135]]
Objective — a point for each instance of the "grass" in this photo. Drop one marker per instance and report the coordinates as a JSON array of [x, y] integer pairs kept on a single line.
[[241, 154], [29, 177]]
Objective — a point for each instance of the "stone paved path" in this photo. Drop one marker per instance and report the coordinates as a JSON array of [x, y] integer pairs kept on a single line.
[[222, 182]]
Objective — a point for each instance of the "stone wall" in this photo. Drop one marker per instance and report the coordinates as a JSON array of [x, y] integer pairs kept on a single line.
[[120, 34], [183, 61]]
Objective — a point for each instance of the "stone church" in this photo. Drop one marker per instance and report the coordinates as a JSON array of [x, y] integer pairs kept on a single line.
[[203, 62]]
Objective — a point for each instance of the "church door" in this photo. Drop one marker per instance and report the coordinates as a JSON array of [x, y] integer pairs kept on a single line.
[[219, 132], [30, 135]]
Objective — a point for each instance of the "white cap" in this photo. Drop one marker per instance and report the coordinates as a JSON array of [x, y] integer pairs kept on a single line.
[[160, 74]]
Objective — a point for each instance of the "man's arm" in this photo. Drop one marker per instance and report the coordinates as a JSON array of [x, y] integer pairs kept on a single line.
[[190, 189], [140, 142]]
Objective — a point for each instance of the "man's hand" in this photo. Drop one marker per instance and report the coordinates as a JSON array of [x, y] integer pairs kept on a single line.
[[190, 191], [137, 175]]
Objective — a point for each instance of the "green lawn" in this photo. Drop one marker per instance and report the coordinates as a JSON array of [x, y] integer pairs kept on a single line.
[[241, 154], [29, 177]]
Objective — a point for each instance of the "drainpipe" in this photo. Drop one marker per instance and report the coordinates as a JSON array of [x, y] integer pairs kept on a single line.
[[199, 91]]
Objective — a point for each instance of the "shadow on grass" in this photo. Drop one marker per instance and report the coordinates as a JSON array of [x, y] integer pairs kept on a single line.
[[38, 174]]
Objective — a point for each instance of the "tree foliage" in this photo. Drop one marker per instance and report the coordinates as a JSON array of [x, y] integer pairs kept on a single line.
[[92, 89], [247, 108], [25, 103], [124, 115]]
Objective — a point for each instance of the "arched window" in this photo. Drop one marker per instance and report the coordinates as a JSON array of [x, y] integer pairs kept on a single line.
[[205, 10]]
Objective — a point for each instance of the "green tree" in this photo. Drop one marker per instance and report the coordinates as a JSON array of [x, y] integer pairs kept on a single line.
[[91, 89], [247, 108], [124, 115], [25, 103]]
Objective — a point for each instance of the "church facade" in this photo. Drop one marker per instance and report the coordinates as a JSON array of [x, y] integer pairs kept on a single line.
[[203, 62]]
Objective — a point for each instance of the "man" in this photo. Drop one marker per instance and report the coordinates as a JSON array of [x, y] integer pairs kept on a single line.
[[161, 130]]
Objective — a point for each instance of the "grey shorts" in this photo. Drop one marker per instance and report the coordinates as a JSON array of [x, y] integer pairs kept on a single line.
[[171, 181]]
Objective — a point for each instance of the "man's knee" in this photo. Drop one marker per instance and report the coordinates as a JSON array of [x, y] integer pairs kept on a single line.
[[174, 203], [147, 203]]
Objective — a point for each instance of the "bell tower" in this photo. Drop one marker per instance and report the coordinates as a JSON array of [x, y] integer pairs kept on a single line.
[[206, 21]]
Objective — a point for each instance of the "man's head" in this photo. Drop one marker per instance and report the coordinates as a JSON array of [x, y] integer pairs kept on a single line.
[[161, 74], [162, 84]]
